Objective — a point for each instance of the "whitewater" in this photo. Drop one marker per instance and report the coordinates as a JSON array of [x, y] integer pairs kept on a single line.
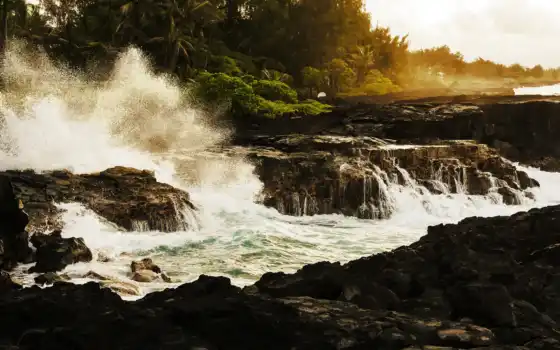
[[54, 118]]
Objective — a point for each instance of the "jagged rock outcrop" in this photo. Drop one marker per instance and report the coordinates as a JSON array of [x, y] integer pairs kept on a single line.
[[54, 253], [521, 128], [484, 283], [502, 273], [321, 174], [129, 198]]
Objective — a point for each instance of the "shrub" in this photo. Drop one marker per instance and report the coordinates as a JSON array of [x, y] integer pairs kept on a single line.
[[274, 90], [225, 64], [220, 88], [253, 97], [375, 84]]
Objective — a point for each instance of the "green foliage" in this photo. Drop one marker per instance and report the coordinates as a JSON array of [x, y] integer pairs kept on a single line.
[[220, 87], [274, 90], [253, 97], [272, 109], [313, 78], [312, 107], [341, 76], [264, 48], [271, 74], [375, 84], [225, 64]]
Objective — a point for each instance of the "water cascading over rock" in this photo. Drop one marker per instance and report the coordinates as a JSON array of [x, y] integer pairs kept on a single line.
[[307, 175]]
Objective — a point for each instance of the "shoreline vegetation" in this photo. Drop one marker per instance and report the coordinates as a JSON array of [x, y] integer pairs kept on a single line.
[[264, 58]]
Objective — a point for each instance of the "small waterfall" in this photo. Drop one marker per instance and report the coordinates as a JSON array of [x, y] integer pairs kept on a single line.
[[297, 204], [184, 218], [386, 202], [140, 225], [372, 183]]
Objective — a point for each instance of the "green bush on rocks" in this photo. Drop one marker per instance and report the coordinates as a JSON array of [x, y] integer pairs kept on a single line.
[[246, 96]]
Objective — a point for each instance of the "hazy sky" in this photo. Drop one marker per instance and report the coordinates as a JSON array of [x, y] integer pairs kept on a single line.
[[507, 31]]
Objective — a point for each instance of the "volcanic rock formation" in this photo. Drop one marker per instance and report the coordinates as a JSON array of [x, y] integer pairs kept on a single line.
[[521, 128], [322, 174], [129, 198], [485, 283]]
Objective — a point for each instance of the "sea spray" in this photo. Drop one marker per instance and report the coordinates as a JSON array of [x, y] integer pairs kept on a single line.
[[54, 117]]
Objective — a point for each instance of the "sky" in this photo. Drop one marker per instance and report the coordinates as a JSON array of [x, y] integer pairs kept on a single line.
[[505, 31]]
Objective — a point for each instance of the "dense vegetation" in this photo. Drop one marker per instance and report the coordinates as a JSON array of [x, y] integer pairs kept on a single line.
[[264, 56]]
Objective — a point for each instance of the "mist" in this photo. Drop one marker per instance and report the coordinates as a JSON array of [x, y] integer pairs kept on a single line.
[[505, 31]]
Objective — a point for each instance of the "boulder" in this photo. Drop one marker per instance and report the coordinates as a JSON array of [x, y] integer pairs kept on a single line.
[[118, 286], [509, 195], [146, 271], [145, 276], [54, 253], [144, 264]]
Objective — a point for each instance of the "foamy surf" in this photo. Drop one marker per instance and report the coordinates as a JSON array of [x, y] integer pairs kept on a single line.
[[243, 239]]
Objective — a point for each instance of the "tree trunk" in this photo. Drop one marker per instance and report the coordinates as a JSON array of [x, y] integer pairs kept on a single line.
[[232, 12], [174, 57]]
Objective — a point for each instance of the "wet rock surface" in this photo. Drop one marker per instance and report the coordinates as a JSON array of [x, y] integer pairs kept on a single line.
[[485, 283], [54, 253], [129, 198], [146, 271], [326, 174], [343, 161]]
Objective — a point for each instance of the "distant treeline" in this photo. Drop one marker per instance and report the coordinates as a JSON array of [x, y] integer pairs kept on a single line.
[[264, 56]]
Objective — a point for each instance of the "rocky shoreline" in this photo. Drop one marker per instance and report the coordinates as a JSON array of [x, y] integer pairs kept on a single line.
[[484, 283]]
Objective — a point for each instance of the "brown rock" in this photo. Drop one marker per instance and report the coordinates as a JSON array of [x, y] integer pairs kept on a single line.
[[307, 175], [145, 203], [144, 264], [144, 276]]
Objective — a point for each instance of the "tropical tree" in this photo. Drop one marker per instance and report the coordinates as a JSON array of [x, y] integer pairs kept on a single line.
[[363, 60]]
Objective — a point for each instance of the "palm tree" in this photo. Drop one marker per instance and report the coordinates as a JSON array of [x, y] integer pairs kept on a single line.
[[363, 60], [184, 33]]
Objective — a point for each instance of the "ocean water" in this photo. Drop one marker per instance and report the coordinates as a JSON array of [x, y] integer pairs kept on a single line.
[[56, 118], [552, 90]]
